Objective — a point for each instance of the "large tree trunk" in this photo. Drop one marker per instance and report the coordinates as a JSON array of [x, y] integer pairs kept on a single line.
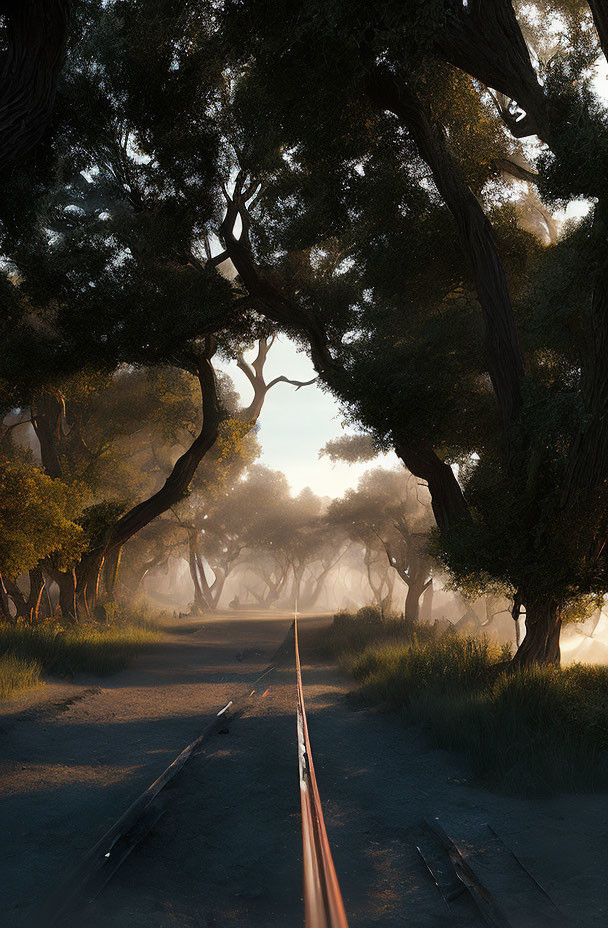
[[36, 32], [177, 483], [87, 583], [18, 598], [541, 641], [5, 612], [174, 489], [415, 590], [207, 589], [198, 602], [46, 421], [35, 595], [110, 565], [447, 499], [218, 585], [484, 39], [503, 351], [599, 8], [426, 606], [67, 595]]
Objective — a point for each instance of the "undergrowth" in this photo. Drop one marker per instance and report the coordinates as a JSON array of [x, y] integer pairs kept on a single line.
[[29, 650], [534, 732], [17, 674]]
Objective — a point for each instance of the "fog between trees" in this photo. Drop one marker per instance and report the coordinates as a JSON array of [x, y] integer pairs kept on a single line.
[[380, 184]]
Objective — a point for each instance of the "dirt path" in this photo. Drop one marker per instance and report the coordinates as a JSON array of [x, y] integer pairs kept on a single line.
[[227, 850], [67, 773]]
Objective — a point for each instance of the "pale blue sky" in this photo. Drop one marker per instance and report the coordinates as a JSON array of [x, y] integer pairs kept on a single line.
[[294, 425]]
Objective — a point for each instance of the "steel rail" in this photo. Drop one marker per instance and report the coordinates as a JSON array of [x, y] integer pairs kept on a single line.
[[323, 903]]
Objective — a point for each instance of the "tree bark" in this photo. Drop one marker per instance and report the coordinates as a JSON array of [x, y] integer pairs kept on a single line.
[[193, 563], [66, 581], [88, 573], [599, 9], [36, 32], [174, 489], [484, 39], [177, 483], [206, 588], [46, 421], [504, 356], [417, 584], [426, 606], [35, 594], [447, 499], [67, 596], [18, 598], [221, 575], [111, 563], [541, 641], [5, 612]]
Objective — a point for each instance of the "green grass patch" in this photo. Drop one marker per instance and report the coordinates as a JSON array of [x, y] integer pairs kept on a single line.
[[529, 733], [67, 651], [17, 674]]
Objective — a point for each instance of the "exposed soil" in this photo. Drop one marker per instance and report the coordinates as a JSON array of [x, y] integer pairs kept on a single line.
[[227, 849]]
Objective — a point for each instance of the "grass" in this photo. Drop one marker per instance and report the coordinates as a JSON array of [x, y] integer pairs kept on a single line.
[[532, 733], [27, 651], [17, 674]]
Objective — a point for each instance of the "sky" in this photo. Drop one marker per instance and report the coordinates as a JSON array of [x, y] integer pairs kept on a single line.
[[295, 424]]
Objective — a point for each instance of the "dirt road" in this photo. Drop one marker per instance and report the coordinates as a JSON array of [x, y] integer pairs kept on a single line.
[[227, 849]]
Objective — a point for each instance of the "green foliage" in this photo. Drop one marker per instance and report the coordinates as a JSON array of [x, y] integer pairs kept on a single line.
[[106, 239], [350, 448], [39, 518], [98, 519], [108, 244]]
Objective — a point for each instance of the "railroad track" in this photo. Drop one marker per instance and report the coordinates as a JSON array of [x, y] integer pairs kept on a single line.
[[481, 882], [97, 868]]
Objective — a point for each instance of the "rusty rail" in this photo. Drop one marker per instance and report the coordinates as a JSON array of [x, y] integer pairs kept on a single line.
[[322, 897]]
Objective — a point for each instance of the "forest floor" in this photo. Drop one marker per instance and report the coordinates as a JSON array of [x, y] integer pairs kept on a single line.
[[227, 850]]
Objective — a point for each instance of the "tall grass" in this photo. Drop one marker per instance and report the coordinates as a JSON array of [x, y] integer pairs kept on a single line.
[[531, 733], [26, 651], [352, 633], [17, 674]]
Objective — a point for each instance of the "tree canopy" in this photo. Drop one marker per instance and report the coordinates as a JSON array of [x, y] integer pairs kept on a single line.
[[384, 185]]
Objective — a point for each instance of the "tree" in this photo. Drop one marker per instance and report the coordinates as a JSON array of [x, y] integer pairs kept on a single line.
[[270, 535], [388, 514], [34, 35], [214, 527], [85, 429], [369, 213], [407, 85], [39, 520]]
